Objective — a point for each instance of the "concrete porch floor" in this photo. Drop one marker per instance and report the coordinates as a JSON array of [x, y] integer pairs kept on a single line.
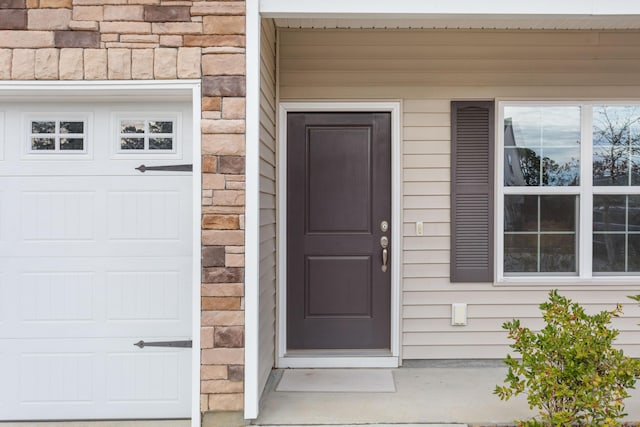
[[451, 393]]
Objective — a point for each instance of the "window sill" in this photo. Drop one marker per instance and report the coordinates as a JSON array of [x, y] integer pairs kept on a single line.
[[623, 282]]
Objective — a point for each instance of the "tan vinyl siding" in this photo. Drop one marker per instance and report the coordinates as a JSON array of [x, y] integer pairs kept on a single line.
[[426, 70], [267, 313]]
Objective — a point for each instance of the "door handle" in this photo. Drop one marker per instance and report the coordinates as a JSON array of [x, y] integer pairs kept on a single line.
[[384, 242], [385, 258]]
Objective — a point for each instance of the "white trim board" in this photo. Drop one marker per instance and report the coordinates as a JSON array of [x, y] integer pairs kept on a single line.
[[252, 215], [327, 361], [196, 104]]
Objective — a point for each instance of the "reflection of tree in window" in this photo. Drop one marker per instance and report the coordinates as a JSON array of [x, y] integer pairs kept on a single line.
[[146, 134], [43, 143], [72, 127], [132, 143], [565, 174], [553, 174], [160, 127], [131, 126], [616, 140], [43, 127], [529, 163]]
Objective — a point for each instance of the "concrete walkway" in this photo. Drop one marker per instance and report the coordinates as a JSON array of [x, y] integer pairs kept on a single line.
[[154, 423], [451, 393]]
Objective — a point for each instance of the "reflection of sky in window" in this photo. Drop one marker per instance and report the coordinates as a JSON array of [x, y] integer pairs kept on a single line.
[[562, 155], [544, 125]]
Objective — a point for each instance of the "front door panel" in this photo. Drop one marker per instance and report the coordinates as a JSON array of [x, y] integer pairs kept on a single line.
[[339, 192]]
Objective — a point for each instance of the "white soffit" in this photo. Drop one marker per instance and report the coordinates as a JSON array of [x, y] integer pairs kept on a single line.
[[458, 14], [628, 22]]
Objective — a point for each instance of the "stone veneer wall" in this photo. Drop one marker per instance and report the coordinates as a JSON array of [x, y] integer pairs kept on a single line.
[[164, 39]]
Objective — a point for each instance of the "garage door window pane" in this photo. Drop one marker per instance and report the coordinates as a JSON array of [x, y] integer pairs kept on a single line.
[[43, 127], [160, 127], [71, 143], [160, 143], [72, 127], [132, 143], [48, 144], [132, 126]]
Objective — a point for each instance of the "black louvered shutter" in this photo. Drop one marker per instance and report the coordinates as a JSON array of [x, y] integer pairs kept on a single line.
[[472, 136]]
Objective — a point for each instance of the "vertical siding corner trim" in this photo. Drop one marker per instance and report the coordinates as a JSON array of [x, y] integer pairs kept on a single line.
[[472, 198]]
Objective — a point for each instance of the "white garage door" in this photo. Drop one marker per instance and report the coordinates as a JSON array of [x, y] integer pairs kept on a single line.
[[94, 257]]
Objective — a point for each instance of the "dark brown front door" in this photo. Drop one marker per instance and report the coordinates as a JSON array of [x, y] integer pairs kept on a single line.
[[338, 195]]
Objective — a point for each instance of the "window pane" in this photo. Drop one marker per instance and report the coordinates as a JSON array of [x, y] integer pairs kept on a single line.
[[535, 126], [160, 143], [43, 127], [616, 139], [132, 126], [160, 127], [71, 143], [71, 127], [610, 165], [540, 233], [561, 166], [547, 136], [558, 253], [634, 213], [132, 143], [520, 213], [558, 213], [608, 252], [635, 170], [616, 237], [634, 253], [520, 253], [522, 167], [609, 213], [43, 143]]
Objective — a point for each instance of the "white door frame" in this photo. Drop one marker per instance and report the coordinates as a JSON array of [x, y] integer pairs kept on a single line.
[[324, 360], [187, 90]]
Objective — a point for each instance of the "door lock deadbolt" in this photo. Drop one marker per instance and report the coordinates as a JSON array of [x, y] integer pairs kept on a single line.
[[384, 226]]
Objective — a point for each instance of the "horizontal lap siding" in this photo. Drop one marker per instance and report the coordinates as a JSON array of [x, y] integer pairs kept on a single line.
[[267, 313], [427, 69]]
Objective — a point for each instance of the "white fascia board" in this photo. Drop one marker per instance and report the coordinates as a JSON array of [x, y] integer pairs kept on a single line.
[[416, 8]]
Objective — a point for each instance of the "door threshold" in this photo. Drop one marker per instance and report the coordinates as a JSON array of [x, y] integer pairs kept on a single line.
[[377, 358]]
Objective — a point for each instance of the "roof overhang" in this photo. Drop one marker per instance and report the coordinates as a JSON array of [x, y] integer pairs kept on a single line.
[[495, 14]]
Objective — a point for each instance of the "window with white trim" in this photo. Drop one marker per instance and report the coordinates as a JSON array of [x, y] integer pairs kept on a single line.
[[48, 135], [146, 135], [569, 190]]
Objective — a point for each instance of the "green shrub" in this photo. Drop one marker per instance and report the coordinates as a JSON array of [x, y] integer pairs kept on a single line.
[[569, 370]]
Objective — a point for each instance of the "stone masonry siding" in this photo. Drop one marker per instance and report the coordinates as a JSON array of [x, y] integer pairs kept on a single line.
[[164, 39]]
